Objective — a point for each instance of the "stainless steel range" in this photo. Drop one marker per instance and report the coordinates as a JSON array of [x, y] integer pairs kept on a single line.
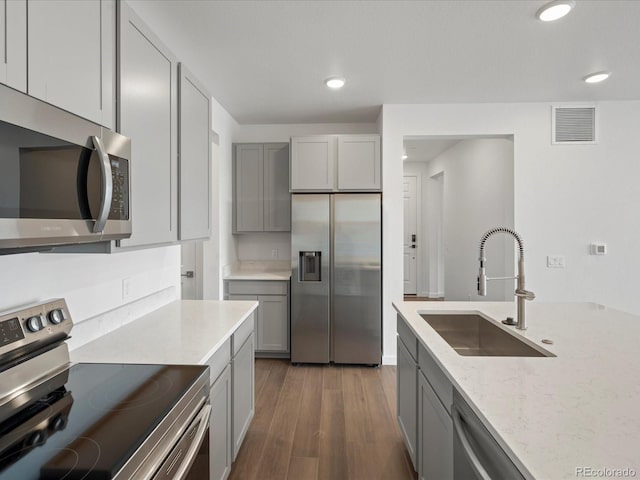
[[94, 421]]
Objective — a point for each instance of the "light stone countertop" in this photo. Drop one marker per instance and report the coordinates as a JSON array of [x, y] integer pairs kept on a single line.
[[580, 409], [259, 270], [184, 332]]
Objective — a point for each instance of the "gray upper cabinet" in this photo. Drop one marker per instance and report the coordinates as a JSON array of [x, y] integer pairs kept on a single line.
[[359, 162], [13, 44], [261, 199], [313, 163], [248, 182], [194, 157], [71, 56], [277, 199], [148, 114], [336, 163]]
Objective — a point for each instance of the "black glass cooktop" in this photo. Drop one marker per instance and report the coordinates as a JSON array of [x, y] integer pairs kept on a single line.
[[86, 422]]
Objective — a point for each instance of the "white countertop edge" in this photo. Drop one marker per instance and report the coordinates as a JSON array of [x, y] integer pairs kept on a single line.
[[487, 424], [228, 335], [104, 342]]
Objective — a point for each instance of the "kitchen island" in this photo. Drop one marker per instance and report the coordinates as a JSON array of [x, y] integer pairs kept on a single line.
[[219, 334], [569, 415]]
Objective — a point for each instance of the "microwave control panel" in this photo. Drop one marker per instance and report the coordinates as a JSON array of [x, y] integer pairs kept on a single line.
[[120, 198]]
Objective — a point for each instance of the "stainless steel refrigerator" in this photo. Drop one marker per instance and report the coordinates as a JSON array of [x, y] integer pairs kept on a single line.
[[336, 281]]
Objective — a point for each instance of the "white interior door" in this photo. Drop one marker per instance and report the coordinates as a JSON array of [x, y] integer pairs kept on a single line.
[[410, 235], [190, 276]]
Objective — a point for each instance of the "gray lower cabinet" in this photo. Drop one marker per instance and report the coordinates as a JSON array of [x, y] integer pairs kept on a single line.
[[151, 121], [272, 316], [220, 426], [425, 396], [13, 44], [242, 385], [407, 371], [435, 436], [261, 198], [72, 56]]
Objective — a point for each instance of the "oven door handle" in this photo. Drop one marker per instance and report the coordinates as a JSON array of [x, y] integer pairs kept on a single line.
[[107, 186], [203, 420]]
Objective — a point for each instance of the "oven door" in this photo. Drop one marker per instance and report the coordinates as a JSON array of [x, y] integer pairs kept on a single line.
[[189, 459]]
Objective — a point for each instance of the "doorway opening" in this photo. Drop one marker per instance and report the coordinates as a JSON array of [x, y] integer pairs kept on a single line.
[[463, 187]]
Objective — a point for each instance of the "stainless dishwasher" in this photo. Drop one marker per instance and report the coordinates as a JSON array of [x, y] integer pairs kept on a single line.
[[476, 454]]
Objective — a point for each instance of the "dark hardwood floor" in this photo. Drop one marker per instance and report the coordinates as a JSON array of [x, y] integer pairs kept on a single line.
[[323, 422]]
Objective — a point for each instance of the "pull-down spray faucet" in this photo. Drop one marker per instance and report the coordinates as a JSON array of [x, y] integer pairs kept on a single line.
[[520, 293]]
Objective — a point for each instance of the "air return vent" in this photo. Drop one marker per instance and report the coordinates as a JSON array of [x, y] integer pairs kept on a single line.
[[573, 125]]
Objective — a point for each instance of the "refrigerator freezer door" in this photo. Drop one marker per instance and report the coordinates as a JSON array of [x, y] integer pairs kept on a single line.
[[357, 276], [310, 233]]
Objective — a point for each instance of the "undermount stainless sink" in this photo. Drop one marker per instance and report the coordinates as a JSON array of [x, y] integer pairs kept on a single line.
[[473, 335]]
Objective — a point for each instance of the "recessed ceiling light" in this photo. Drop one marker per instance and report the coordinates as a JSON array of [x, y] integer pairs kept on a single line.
[[597, 77], [335, 82], [555, 10], [405, 156]]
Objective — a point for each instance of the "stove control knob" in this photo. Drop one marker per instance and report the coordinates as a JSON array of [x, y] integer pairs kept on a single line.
[[36, 438], [58, 423], [34, 324], [56, 316]]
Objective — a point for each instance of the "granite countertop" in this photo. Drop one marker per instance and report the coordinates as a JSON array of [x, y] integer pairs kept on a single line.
[[184, 332], [256, 270], [552, 415]]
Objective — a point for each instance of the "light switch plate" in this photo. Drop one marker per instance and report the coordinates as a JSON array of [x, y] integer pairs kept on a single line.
[[555, 261]]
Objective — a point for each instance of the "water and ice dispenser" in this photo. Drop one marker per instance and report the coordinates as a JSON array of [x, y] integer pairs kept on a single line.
[[309, 266]]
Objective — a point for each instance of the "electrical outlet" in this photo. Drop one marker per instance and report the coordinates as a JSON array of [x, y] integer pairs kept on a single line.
[[126, 288], [274, 253], [555, 261]]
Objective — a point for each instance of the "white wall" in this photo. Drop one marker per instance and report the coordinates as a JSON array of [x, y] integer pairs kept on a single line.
[[478, 195], [566, 197], [221, 249], [92, 285]]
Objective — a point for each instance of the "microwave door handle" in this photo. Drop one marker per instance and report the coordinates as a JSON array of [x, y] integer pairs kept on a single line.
[[107, 186]]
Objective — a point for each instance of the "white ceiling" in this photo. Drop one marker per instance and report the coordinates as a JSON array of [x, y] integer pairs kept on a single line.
[[265, 61]]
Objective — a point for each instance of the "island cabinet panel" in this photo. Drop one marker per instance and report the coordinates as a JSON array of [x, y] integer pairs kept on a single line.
[[194, 127], [71, 56], [243, 386], [407, 381], [220, 449], [13, 44], [435, 435], [148, 115]]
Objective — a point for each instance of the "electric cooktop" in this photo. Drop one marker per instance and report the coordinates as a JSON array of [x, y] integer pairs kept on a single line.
[[86, 422]]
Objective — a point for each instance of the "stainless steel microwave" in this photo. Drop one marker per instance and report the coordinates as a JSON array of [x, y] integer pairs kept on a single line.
[[63, 180]]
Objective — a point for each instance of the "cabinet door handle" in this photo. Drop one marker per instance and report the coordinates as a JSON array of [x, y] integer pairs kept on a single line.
[[107, 186], [468, 449]]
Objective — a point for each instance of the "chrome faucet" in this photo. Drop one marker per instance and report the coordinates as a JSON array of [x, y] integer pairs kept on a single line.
[[521, 294]]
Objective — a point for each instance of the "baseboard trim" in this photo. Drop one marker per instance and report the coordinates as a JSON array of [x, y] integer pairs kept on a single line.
[[389, 360]]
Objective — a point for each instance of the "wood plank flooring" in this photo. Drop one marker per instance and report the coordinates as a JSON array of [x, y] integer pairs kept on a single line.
[[323, 422]]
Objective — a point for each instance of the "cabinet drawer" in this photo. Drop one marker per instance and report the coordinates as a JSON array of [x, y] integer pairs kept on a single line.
[[436, 377], [257, 287], [408, 338], [242, 333], [219, 360]]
